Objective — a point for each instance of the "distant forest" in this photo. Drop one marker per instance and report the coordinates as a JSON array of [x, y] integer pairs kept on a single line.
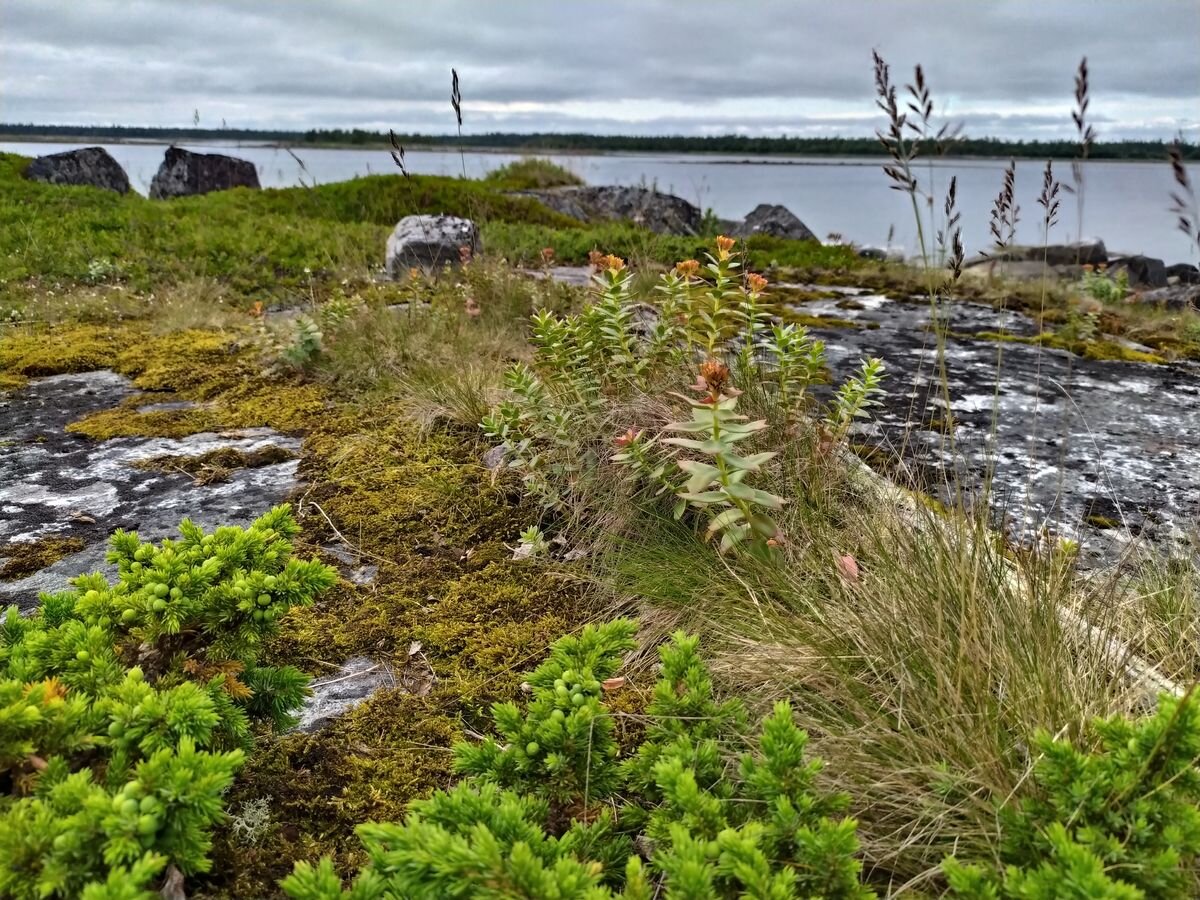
[[546, 142]]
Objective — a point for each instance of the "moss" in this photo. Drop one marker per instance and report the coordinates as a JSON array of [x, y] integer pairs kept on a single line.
[[1103, 522], [788, 314], [1095, 349], [217, 465], [57, 351], [10, 382], [26, 557]]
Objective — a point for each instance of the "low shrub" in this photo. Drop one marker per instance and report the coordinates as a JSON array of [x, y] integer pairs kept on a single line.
[[531, 173], [126, 708]]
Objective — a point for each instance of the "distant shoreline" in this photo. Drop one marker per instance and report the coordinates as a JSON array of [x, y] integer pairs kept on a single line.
[[788, 150], [701, 157]]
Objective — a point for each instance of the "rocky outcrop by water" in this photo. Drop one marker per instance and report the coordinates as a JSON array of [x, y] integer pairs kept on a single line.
[[54, 484], [773, 220], [659, 212], [184, 173], [1073, 444], [90, 166], [430, 242]]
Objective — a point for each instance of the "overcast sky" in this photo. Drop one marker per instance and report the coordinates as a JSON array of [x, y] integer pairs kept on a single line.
[[1003, 67]]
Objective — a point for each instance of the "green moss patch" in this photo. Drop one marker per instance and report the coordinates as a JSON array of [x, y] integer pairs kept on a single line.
[[23, 558]]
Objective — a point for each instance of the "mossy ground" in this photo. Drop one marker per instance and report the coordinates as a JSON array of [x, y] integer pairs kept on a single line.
[[417, 503]]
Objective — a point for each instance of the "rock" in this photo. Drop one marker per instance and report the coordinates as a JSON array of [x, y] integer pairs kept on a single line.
[[358, 678], [661, 213], [881, 254], [1083, 253], [91, 166], [1184, 273], [1174, 297], [184, 173], [1142, 270], [494, 457], [430, 242], [57, 484], [775, 220], [1021, 270]]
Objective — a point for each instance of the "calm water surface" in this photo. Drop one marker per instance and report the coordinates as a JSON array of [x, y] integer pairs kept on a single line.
[[1125, 203]]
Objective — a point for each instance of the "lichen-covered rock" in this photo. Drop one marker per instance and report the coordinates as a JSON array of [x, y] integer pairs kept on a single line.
[[776, 221], [184, 173], [430, 242], [89, 166], [656, 211], [356, 680]]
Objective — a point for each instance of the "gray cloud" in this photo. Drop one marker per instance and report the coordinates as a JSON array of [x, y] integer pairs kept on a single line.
[[769, 66]]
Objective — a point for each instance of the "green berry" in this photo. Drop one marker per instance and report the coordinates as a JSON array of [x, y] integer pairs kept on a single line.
[[115, 730], [129, 615], [147, 824], [264, 599], [83, 656], [159, 605], [91, 596], [161, 590], [129, 807], [176, 593], [577, 699], [149, 805], [532, 748]]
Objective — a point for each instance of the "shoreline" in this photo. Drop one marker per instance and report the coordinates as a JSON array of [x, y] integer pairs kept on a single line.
[[686, 157]]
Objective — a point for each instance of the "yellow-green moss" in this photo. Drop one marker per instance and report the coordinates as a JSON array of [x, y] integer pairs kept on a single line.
[[1097, 521], [10, 382], [23, 558], [37, 352], [1096, 349]]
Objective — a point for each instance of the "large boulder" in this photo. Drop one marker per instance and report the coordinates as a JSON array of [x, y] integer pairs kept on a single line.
[[1183, 273], [1141, 270], [90, 166], [775, 220], [430, 242], [184, 173], [661, 213]]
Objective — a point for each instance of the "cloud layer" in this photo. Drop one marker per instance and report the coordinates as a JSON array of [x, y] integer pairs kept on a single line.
[[630, 66]]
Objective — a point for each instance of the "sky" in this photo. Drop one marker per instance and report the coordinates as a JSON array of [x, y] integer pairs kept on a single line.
[[1002, 68]]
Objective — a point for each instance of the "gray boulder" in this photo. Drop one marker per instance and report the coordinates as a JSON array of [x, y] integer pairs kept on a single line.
[[89, 166], [184, 173], [1176, 297], [430, 242], [1141, 270], [775, 220], [1183, 273], [1083, 253], [661, 213]]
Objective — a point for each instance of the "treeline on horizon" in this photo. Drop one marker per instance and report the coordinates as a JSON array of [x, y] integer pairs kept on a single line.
[[554, 141]]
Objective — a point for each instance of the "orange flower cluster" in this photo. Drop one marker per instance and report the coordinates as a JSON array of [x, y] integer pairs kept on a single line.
[[713, 380], [614, 263], [687, 268], [756, 283], [725, 244]]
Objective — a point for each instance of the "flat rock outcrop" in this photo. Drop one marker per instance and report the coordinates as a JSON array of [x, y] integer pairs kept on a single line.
[[87, 166], [184, 173], [55, 484]]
